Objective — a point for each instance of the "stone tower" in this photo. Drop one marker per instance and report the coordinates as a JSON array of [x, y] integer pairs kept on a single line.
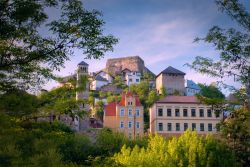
[[82, 73]]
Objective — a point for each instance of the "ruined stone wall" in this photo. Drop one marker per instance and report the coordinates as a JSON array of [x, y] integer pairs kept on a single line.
[[116, 65]]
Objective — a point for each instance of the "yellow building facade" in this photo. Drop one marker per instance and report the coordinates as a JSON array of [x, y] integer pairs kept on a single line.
[[125, 116]]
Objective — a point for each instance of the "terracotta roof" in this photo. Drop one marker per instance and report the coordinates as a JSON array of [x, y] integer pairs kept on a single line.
[[110, 109], [179, 99], [129, 94]]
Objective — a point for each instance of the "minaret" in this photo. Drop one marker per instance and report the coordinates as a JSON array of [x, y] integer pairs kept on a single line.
[[82, 71]]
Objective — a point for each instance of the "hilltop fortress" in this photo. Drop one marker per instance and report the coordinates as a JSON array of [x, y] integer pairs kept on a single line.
[[133, 63]]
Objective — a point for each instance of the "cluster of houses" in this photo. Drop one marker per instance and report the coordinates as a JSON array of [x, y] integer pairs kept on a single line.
[[171, 115]]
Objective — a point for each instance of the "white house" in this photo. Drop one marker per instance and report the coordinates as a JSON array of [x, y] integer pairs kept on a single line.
[[133, 77], [98, 82], [192, 88], [105, 75]]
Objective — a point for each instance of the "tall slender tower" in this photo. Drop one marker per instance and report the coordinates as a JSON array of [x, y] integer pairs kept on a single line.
[[83, 94]]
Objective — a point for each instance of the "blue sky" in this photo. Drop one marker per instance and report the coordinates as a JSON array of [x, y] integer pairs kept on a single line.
[[161, 32]]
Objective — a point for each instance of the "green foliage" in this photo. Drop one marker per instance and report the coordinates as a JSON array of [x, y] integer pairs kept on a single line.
[[236, 129], [118, 81], [187, 150], [24, 51], [163, 91], [211, 91], [19, 104], [152, 97], [142, 90]]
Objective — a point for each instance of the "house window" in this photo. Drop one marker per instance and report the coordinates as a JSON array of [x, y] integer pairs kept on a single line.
[[193, 113], [185, 126], [201, 113], [193, 126], [209, 113], [169, 112], [130, 103], [177, 126], [160, 112], [185, 112], [122, 113], [202, 127], [138, 125], [160, 126], [169, 127], [137, 80], [177, 112], [129, 124], [137, 112], [122, 124], [130, 112], [210, 127], [130, 80]]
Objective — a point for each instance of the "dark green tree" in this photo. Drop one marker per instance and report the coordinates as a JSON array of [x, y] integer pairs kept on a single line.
[[28, 58]]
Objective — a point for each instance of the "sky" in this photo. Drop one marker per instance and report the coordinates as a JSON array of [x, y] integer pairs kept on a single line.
[[161, 32]]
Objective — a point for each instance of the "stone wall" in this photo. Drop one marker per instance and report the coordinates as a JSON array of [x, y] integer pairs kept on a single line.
[[133, 63]]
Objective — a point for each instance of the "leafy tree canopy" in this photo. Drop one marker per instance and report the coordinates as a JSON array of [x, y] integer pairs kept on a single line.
[[27, 57]]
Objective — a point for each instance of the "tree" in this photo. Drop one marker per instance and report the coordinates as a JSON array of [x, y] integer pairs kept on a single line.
[[28, 58], [187, 150], [118, 81], [19, 104], [163, 91], [233, 62], [211, 91]]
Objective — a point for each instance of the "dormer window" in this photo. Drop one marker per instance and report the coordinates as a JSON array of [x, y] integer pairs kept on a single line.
[[130, 103]]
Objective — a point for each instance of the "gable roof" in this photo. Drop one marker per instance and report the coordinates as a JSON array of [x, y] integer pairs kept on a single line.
[[100, 78], [126, 69], [191, 84], [83, 63], [171, 70], [129, 94], [179, 99]]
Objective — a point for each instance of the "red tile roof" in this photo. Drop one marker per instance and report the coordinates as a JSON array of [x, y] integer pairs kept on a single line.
[[179, 99], [129, 94], [110, 109]]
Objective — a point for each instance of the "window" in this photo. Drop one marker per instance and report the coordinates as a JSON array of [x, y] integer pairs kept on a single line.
[[185, 112], [193, 113], [138, 125], [201, 113], [160, 126], [193, 126], [185, 126], [137, 112], [130, 80], [169, 127], [137, 80], [122, 113], [160, 112], [130, 103], [210, 127], [209, 113], [202, 127], [129, 124], [130, 112], [177, 126], [169, 112], [177, 112], [121, 124]]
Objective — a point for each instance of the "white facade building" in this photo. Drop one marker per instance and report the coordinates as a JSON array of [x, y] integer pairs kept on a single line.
[[133, 77], [105, 75], [172, 115], [98, 82]]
